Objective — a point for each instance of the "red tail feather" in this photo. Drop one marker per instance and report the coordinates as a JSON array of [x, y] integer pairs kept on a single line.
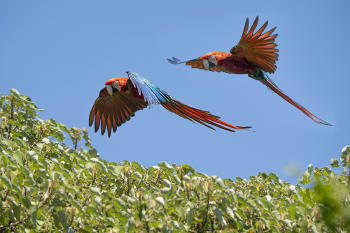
[[203, 117], [270, 84]]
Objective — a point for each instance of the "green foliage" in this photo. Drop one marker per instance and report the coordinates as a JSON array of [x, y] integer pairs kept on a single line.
[[52, 180]]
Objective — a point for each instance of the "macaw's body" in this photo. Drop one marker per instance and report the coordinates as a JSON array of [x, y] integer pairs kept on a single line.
[[222, 62], [255, 55], [122, 97]]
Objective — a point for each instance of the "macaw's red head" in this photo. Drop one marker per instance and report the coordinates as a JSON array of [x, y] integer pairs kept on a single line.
[[113, 86], [209, 60]]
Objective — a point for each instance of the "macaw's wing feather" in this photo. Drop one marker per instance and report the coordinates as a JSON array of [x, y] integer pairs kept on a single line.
[[112, 111], [153, 94], [196, 115], [258, 47]]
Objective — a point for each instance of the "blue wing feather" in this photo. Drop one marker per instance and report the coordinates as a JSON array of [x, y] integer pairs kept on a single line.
[[152, 94]]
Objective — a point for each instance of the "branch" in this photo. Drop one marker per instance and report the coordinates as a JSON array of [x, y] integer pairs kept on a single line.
[[207, 211], [11, 117]]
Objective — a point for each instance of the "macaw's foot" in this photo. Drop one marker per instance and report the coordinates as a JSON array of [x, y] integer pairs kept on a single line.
[[257, 74]]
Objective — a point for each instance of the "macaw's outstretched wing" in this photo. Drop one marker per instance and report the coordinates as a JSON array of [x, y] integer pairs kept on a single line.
[[153, 94], [111, 111], [258, 47]]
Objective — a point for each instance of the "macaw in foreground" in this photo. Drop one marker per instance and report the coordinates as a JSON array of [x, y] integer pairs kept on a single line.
[[122, 97], [255, 55]]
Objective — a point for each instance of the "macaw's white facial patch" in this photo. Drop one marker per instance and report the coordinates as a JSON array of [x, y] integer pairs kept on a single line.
[[206, 64], [116, 85], [109, 89], [212, 59]]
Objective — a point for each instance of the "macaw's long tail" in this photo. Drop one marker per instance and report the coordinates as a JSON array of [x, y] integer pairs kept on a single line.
[[196, 115], [271, 85]]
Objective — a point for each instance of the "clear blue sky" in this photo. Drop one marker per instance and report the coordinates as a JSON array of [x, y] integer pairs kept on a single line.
[[60, 53]]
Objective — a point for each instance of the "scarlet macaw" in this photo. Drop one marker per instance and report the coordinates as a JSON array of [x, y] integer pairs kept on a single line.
[[122, 97], [255, 55]]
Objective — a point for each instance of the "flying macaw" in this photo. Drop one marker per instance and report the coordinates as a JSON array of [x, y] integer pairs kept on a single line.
[[255, 55], [122, 97]]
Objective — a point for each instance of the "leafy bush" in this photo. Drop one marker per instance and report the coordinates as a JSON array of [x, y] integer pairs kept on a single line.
[[52, 179]]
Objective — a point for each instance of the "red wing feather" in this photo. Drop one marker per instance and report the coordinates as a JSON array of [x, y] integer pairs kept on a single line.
[[112, 111], [259, 49]]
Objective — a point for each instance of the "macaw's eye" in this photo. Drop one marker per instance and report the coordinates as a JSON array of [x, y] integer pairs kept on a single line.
[[116, 87], [212, 59], [115, 84]]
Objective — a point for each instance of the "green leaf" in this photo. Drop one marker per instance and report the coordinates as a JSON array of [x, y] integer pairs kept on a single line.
[[230, 212], [165, 165], [346, 150], [18, 157], [4, 160], [190, 213], [56, 220], [15, 92], [26, 202], [6, 181], [160, 200], [16, 210], [187, 168], [131, 225], [219, 216], [62, 218], [34, 217]]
